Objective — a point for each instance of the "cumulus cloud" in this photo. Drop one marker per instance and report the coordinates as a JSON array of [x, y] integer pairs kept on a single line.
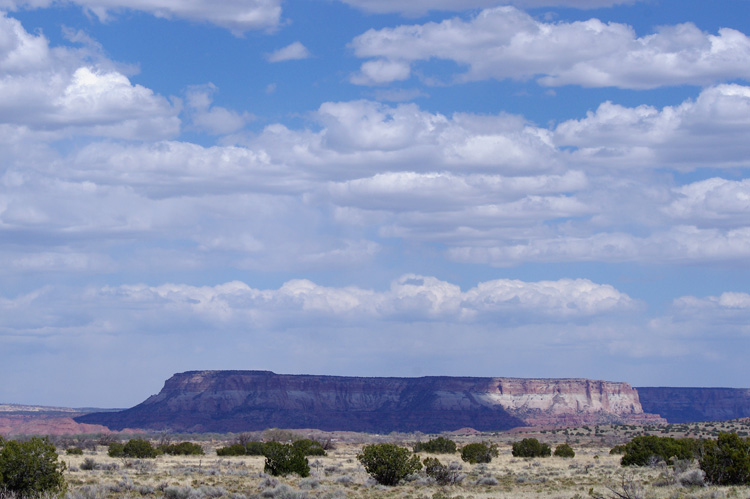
[[411, 297], [507, 43], [173, 169], [714, 201], [381, 71], [49, 89], [419, 7], [404, 134], [291, 52], [705, 132], [494, 190], [209, 118], [236, 15], [188, 207]]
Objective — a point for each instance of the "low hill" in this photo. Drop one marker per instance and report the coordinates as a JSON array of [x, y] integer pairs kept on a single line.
[[16, 419]]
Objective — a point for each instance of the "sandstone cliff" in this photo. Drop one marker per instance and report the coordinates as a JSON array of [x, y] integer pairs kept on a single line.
[[687, 405], [223, 401]]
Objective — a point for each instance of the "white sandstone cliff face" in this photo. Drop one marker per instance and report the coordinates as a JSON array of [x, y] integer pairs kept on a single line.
[[549, 401], [565, 396]]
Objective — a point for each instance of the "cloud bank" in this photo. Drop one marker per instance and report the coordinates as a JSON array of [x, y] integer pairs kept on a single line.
[[236, 15], [507, 43]]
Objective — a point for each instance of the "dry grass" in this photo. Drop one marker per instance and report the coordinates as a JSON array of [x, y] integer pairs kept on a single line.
[[593, 472]]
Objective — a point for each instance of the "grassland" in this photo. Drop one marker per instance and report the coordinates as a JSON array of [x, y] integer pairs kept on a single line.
[[593, 472]]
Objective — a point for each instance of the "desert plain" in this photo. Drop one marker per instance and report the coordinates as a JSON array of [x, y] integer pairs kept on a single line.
[[593, 472]]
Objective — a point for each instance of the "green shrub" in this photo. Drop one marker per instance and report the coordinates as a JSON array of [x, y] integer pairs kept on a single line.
[[564, 450], [248, 449], [255, 449], [30, 468], [726, 460], [647, 449], [116, 449], [441, 473], [617, 449], [74, 451], [139, 448], [439, 445], [388, 464], [531, 447], [284, 459], [479, 452], [182, 449], [232, 450], [309, 447]]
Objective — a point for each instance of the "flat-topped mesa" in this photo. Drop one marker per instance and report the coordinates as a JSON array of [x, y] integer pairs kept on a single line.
[[223, 401]]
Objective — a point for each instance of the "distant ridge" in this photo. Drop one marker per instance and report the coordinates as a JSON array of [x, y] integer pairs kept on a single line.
[[235, 401], [689, 405], [18, 419]]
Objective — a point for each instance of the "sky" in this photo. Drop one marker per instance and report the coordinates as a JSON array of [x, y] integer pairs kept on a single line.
[[507, 188]]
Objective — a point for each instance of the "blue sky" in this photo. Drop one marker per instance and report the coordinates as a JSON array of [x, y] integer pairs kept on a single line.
[[538, 188]]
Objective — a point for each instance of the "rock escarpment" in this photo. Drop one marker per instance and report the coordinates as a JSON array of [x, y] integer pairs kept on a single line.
[[688, 405], [235, 401]]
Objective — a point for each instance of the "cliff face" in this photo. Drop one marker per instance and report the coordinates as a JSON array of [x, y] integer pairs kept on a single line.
[[223, 401], [687, 405]]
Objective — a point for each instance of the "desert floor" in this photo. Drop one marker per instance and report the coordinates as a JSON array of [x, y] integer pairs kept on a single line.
[[593, 472]]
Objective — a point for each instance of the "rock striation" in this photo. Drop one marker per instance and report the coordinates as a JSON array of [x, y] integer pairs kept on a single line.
[[236, 401], [688, 405]]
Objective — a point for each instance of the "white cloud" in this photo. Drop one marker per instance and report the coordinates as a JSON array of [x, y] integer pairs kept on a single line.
[[236, 15], [489, 189], [726, 302], [209, 118], [173, 169], [411, 297], [506, 43], [405, 191], [419, 7], [391, 136], [719, 322], [713, 201], [706, 132], [21, 51], [381, 71], [188, 208], [291, 52], [55, 90], [678, 245]]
